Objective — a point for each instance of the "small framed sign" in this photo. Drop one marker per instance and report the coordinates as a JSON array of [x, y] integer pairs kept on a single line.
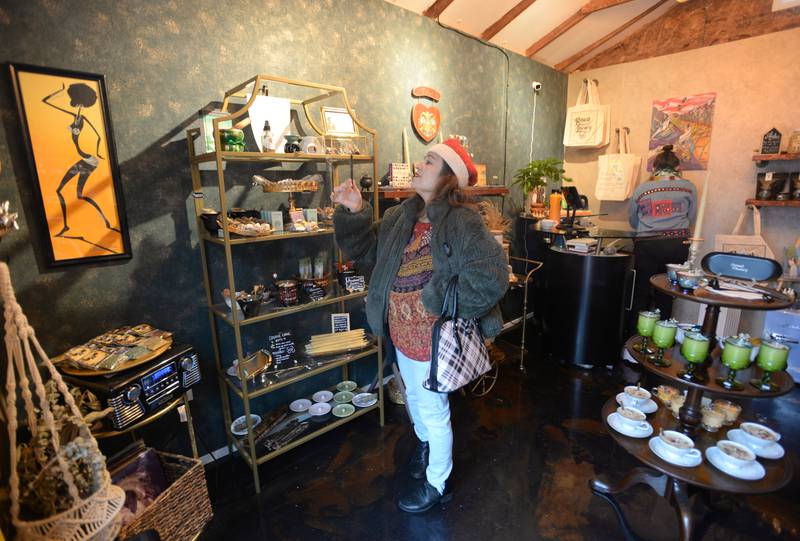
[[771, 143], [340, 322]]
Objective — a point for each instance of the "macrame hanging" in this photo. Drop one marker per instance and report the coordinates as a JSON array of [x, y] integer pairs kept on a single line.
[[60, 487]]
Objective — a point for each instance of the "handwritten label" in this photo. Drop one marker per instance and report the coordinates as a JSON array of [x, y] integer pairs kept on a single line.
[[354, 283], [283, 350]]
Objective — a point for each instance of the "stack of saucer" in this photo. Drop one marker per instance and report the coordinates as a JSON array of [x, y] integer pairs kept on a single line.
[[636, 397]]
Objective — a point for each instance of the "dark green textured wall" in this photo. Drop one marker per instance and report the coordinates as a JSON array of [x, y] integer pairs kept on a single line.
[[165, 60]]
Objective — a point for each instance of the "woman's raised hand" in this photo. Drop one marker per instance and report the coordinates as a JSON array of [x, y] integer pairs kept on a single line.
[[348, 195]]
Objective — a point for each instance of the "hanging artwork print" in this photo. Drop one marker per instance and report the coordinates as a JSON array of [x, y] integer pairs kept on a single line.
[[67, 130], [684, 123], [426, 118]]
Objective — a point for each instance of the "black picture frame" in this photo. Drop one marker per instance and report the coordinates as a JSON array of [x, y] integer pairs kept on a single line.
[[59, 153]]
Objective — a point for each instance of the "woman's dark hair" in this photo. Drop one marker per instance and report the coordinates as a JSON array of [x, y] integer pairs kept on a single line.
[[448, 189], [81, 94], [666, 159]]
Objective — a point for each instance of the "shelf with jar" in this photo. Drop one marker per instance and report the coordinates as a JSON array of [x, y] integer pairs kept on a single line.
[[225, 140]]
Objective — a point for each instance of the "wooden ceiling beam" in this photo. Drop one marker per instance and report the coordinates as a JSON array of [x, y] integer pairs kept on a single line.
[[588, 49], [586, 10], [506, 19], [436, 9]]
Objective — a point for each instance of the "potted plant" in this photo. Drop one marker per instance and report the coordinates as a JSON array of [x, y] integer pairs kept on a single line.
[[538, 173]]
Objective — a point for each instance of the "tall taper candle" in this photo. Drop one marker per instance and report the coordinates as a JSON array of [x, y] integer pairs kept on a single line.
[[406, 158], [698, 224], [441, 137]]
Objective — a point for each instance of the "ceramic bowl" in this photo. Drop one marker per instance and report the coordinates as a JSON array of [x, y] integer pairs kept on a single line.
[[239, 426]]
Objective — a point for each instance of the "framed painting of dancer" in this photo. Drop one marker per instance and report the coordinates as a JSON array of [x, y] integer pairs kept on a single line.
[[66, 127]]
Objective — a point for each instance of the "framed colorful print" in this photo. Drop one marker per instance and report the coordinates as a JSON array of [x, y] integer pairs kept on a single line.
[[337, 121], [66, 128]]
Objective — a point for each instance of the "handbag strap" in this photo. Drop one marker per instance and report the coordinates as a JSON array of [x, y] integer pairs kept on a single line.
[[756, 222], [583, 94], [740, 222]]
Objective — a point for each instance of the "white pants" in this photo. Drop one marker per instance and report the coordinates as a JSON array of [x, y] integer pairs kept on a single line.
[[430, 413]]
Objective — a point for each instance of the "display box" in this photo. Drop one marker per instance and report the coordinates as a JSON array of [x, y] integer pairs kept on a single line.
[[357, 145]]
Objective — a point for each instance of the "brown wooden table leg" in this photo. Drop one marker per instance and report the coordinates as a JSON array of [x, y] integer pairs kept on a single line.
[[709, 328], [682, 503], [659, 482]]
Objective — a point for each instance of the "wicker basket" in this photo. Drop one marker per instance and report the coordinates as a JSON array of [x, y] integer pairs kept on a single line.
[[183, 509]]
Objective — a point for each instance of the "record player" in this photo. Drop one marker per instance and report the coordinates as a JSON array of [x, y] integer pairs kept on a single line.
[[137, 393]]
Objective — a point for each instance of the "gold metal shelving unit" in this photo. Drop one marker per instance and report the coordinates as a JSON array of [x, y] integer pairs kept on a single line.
[[219, 313]]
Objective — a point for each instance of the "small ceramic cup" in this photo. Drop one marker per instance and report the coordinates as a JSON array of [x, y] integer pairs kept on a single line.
[[678, 445], [757, 435], [735, 454], [632, 418]]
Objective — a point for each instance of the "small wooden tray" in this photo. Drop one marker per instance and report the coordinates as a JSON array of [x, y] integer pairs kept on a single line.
[[67, 368]]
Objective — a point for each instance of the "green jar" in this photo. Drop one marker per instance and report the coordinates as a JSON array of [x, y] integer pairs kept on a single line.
[[231, 140], [695, 347], [737, 351], [773, 356], [664, 333], [647, 322]]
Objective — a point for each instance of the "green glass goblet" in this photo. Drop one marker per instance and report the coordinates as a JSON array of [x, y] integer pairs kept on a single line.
[[695, 350], [663, 337], [645, 325], [772, 357], [736, 356]]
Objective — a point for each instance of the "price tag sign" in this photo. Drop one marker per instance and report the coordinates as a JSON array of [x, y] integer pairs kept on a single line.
[[354, 283], [340, 322], [283, 350]]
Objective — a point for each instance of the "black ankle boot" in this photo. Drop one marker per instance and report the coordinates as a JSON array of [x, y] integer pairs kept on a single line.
[[419, 460], [420, 497]]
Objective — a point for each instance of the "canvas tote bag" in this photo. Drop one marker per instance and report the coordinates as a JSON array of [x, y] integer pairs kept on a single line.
[[458, 351], [587, 124], [744, 244], [617, 174]]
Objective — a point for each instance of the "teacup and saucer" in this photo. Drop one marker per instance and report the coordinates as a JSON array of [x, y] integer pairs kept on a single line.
[[676, 448], [762, 440], [637, 397], [736, 460], [630, 422]]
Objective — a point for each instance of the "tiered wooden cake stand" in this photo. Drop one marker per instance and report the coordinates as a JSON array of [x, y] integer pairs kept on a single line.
[[672, 482]]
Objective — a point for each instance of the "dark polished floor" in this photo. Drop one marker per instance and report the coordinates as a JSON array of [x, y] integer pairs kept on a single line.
[[523, 455]]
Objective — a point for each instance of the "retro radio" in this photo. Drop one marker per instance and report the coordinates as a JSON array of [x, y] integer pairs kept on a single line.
[[141, 391]]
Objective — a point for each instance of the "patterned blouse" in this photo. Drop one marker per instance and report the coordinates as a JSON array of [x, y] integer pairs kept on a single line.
[[410, 325]]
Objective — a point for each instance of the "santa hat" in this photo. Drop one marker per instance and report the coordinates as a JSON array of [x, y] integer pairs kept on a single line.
[[459, 161]]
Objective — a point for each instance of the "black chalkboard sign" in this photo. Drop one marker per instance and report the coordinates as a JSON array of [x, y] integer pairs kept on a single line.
[[354, 283], [771, 143], [313, 291], [283, 350]]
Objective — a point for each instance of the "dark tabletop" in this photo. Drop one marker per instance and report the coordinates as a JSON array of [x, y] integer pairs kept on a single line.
[[778, 472], [706, 295]]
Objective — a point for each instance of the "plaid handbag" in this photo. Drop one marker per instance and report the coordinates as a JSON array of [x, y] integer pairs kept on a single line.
[[458, 351]]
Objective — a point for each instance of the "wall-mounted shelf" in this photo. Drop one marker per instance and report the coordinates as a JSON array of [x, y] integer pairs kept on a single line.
[[762, 159], [772, 203], [474, 191]]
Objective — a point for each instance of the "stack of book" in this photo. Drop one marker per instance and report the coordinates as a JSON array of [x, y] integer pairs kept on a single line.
[[582, 245]]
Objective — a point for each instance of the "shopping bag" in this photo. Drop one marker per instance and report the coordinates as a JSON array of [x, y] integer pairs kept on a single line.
[[458, 351], [588, 122], [617, 174], [744, 244]]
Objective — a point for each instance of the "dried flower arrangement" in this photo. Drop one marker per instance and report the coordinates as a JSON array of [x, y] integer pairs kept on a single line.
[[492, 217]]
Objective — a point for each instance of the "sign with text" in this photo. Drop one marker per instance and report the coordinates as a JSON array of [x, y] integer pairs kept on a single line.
[[283, 350], [340, 322]]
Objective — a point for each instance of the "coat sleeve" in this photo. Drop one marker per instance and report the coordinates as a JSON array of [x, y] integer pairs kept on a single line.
[[356, 235], [479, 262]]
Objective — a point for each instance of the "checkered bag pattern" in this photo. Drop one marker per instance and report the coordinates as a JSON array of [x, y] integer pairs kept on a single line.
[[458, 352]]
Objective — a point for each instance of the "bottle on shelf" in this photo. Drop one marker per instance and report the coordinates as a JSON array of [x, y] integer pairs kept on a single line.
[[267, 141]]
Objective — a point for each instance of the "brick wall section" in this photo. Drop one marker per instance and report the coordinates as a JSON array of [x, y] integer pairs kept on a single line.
[[696, 24]]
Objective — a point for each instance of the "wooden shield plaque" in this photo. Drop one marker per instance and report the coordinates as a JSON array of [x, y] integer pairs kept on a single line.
[[426, 120]]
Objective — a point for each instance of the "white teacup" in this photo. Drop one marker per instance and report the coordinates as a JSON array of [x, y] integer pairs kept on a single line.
[[679, 445], [735, 454], [758, 435], [632, 417], [636, 396]]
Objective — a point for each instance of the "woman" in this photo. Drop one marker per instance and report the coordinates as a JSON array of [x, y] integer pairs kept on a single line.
[[81, 97], [412, 254]]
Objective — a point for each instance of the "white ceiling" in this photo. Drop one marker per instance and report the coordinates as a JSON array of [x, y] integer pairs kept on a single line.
[[542, 16]]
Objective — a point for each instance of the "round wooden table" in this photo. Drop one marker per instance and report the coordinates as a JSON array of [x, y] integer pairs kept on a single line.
[[674, 482]]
